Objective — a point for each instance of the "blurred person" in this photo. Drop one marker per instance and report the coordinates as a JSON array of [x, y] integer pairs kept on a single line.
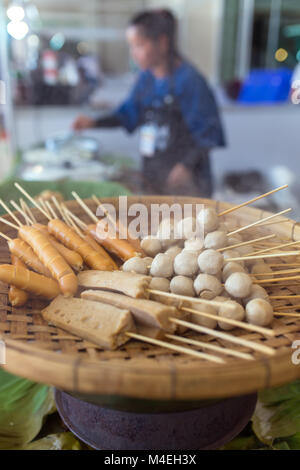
[[172, 105]]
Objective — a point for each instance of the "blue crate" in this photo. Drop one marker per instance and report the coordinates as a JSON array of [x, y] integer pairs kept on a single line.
[[266, 86]]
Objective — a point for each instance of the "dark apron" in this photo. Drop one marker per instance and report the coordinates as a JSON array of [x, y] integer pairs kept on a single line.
[[165, 139]]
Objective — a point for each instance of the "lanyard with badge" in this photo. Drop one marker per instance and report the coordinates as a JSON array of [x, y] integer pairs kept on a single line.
[[155, 136]]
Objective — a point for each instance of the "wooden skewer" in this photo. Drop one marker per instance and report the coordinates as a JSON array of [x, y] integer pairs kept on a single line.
[[213, 347], [286, 265], [287, 314], [277, 222], [276, 273], [174, 347], [252, 200], [107, 214], [85, 207], [283, 307], [59, 208], [28, 221], [118, 227], [273, 255], [15, 218], [76, 219], [22, 190], [230, 321], [259, 221], [249, 242], [71, 222], [292, 296], [270, 281], [51, 210], [7, 222], [226, 336], [26, 208], [185, 298], [43, 205], [276, 247], [5, 236], [283, 285]]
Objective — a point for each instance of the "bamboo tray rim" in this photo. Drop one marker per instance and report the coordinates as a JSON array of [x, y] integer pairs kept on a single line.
[[16, 349]]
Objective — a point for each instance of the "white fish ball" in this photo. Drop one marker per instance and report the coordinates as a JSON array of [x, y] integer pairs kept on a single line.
[[173, 251], [201, 319], [210, 261], [252, 262], [151, 246], [136, 265], [166, 234], [244, 250], [223, 227], [162, 266], [222, 298], [186, 228], [160, 283], [194, 244], [230, 268], [233, 240], [207, 286], [233, 310], [232, 254], [259, 312], [185, 264], [215, 240], [238, 285], [256, 292], [261, 269], [208, 219], [182, 285]]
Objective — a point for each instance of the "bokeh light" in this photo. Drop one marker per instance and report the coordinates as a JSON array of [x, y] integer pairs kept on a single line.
[[57, 41], [15, 13], [281, 54], [17, 29]]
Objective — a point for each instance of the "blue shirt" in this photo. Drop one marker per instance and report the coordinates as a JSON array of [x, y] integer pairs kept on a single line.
[[194, 96]]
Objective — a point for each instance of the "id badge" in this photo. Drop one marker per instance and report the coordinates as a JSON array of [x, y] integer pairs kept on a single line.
[[148, 137]]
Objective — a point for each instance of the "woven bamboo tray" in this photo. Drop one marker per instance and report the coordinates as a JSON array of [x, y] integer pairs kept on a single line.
[[138, 370]]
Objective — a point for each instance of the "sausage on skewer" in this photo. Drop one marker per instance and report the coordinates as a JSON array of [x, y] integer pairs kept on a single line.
[[69, 237], [73, 259], [17, 297], [25, 253], [51, 258], [117, 246], [29, 281]]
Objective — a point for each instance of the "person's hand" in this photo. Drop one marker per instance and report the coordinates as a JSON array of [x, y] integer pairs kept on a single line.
[[179, 176], [83, 122]]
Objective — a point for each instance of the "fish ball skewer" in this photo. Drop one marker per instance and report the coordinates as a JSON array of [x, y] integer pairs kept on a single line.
[[231, 268], [182, 285], [230, 309], [259, 312], [151, 246], [207, 286], [137, 265], [215, 240], [185, 264], [208, 220], [160, 283], [210, 261], [238, 285], [162, 266]]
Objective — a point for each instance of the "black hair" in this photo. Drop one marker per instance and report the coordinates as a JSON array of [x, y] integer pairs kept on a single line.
[[157, 23]]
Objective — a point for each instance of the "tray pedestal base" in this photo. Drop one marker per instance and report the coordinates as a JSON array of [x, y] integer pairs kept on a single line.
[[208, 427]]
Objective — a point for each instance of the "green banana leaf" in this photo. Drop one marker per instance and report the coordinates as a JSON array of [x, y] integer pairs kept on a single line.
[[85, 189], [62, 441], [23, 407], [277, 415]]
